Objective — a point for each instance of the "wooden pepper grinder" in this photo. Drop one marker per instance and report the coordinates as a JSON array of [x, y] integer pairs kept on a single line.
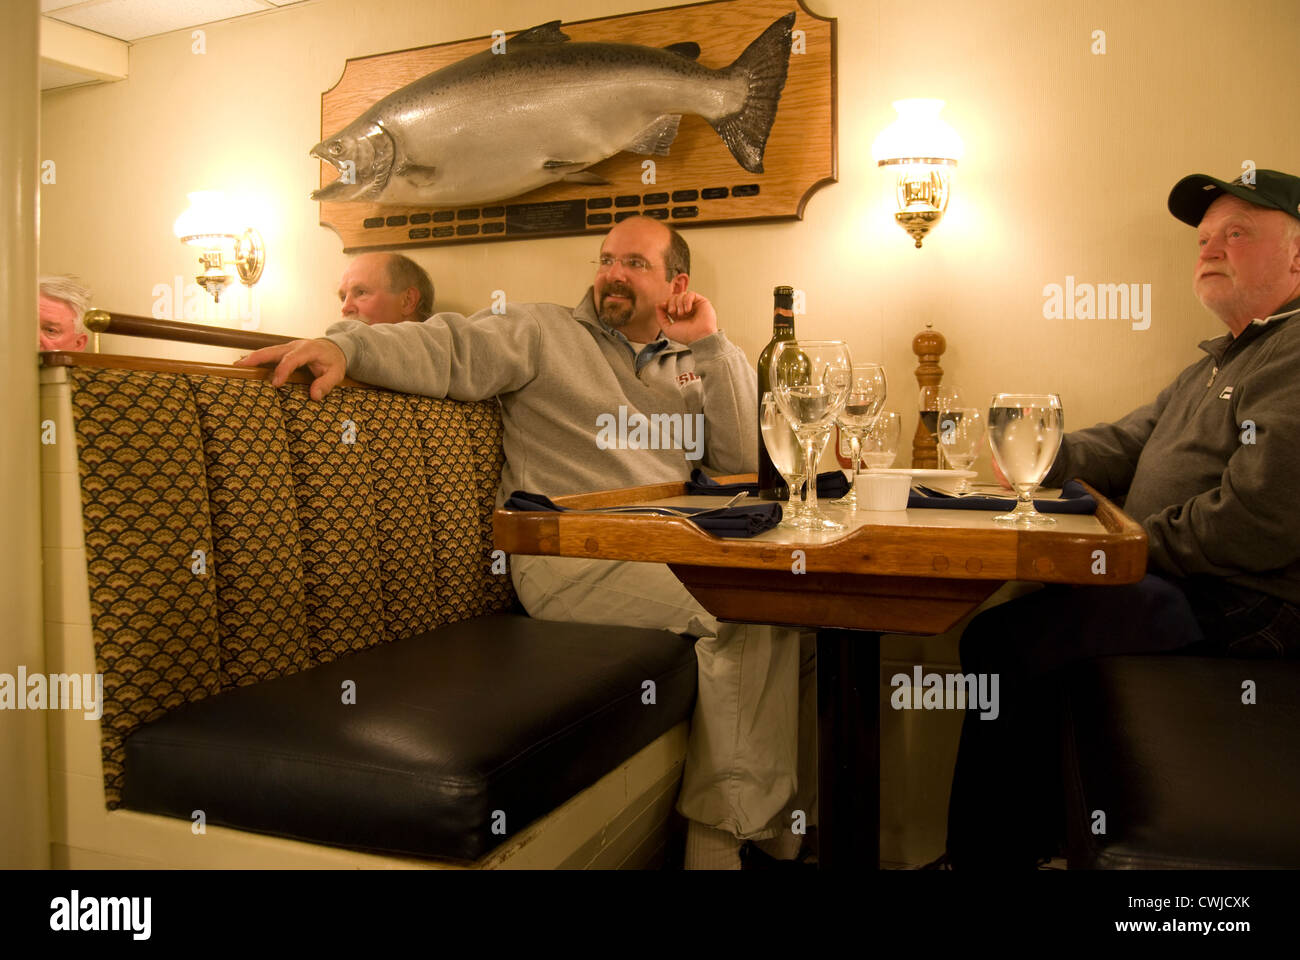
[[929, 346]]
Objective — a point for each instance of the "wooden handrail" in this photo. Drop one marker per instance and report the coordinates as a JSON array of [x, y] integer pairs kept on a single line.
[[128, 325]]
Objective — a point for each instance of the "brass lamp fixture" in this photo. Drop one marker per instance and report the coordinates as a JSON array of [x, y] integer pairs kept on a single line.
[[923, 151], [208, 225]]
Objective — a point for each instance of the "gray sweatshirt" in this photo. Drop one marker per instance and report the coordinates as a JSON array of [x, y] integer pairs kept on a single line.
[[1211, 469], [582, 410]]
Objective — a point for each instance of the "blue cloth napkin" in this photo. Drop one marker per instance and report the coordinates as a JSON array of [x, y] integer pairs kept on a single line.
[[1074, 499], [831, 484], [746, 521]]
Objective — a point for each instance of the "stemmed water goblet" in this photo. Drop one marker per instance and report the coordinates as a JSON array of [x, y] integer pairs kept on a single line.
[[811, 380], [783, 447], [866, 397], [933, 401], [1025, 433], [961, 430], [880, 443]]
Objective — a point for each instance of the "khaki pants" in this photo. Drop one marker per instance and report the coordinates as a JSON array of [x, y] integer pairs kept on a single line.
[[751, 759]]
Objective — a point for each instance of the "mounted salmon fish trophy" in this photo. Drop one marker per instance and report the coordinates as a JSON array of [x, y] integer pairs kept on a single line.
[[497, 125]]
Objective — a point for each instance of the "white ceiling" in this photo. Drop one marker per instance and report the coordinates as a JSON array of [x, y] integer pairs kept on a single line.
[[136, 19]]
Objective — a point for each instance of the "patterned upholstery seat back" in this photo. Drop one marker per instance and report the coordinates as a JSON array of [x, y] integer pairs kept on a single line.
[[237, 532]]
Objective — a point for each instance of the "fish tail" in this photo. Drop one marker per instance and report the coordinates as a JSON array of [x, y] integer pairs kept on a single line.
[[763, 64]]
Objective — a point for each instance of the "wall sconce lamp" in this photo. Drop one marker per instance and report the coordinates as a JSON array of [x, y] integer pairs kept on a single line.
[[923, 150], [208, 225]]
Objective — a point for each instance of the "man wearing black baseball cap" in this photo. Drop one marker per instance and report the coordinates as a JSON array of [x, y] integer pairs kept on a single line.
[[1209, 471], [1192, 196]]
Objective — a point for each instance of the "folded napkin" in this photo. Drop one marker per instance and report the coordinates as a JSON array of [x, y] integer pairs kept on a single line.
[[1074, 499], [832, 484], [744, 521]]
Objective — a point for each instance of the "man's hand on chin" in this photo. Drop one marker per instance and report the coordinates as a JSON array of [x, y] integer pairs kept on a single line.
[[687, 317]]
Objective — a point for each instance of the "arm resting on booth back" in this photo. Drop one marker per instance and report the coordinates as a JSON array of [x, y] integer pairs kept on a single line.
[[448, 355]]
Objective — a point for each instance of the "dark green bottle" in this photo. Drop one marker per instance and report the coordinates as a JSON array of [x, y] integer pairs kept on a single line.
[[770, 484]]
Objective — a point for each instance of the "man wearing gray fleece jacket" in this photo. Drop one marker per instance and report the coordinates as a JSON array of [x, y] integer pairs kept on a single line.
[[573, 383], [1209, 469]]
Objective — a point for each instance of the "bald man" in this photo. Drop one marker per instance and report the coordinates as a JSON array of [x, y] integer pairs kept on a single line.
[[385, 288], [639, 340]]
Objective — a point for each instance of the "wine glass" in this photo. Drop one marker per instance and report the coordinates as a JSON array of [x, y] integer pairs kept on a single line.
[[866, 397], [948, 396], [783, 447], [934, 400], [811, 380], [961, 429], [880, 444], [799, 495], [1025, 432]]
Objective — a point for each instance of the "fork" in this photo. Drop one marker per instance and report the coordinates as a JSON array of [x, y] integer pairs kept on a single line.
[[952, 494], [669, 511]]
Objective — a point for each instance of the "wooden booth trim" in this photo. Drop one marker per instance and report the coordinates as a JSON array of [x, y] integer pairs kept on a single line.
[[118, 361]]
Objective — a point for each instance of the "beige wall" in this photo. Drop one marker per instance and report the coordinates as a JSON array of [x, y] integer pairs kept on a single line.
[[1069, 159]]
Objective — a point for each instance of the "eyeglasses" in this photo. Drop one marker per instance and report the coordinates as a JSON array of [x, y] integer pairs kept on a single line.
[[634, 263]]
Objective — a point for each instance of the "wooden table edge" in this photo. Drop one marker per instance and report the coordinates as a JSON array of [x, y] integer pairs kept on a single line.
[[1117, 556]]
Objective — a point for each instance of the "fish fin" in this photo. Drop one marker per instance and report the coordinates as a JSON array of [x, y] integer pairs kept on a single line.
[[657, 137], [578, 174], [763, 64], [687, 48], [545, 33], [582, 176], [416, 175]]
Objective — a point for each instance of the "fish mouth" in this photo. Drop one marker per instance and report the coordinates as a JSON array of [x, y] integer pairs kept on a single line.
[[337, 191], [369, 179]]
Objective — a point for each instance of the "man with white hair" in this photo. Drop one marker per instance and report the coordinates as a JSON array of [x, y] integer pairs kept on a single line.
[[1208, 468], [63, 304]]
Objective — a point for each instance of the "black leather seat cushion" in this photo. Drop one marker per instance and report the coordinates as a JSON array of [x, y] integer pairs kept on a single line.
[[1187, 774], [496, 713]]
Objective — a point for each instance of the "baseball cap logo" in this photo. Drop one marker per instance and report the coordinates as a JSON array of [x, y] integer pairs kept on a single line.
[[1241, 182]]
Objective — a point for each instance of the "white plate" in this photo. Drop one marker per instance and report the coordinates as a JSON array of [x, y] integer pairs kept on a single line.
[[931, 474]]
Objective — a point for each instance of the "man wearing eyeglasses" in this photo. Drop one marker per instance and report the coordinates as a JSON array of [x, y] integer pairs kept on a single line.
[[640, 339]]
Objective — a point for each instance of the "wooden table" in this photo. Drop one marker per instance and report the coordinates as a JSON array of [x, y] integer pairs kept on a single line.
[[914, 571]]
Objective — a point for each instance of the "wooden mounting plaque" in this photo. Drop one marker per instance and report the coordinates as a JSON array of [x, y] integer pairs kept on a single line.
[[699, 182]]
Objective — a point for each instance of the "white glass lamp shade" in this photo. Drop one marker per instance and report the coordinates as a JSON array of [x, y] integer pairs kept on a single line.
[[919, 133], [208, 221]]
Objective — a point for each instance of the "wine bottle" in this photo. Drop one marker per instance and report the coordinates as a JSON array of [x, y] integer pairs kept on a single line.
[[770, 484]]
